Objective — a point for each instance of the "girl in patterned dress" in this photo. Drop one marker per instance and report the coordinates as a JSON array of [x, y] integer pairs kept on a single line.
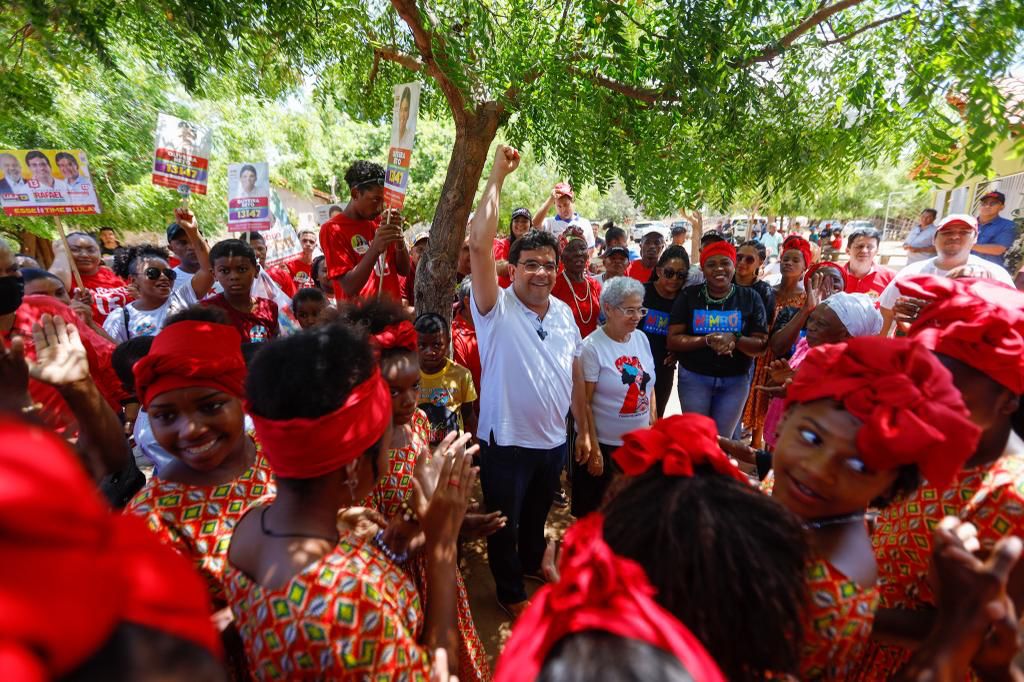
[[191, 384], [858, 432], [977, 330], [312, 601], [409, 459]]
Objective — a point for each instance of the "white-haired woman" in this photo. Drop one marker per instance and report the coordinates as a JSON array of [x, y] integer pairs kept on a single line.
[[618, 369]]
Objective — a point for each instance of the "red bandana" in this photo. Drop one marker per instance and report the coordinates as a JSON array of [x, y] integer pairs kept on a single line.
[[978, 322], [680, 443], [568, 234], [190, 354], [600, 591], [912, 412], [718, 249], [800, 244], [402, 335], [307, 448], [73, 571], [821, 265]]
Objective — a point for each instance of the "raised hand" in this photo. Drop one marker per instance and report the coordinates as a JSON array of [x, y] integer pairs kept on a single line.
[[506, 159], [60, 356], [779, 372], [443, 515], [186, 219]]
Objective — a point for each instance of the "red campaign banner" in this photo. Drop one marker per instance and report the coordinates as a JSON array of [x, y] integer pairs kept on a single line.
[[175, 183], [399, 157], [182, 158], [24, 211], [393, 199]]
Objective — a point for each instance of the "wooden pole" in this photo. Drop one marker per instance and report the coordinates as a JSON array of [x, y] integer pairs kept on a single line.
[[67, 249]]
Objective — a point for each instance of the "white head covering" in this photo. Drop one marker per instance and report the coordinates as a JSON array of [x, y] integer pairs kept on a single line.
[[857, 312]]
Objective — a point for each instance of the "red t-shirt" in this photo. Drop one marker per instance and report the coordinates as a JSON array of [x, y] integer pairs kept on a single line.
[[871, 284], [638, 271], [108, 292], [465, 348], [283, 278], [56, 413], [301, 272], [344, 242], [256, 326], [500, 251], [585, 311]]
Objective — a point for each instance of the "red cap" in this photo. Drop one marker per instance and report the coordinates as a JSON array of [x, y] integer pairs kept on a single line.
[[564, 188], [957, 220]]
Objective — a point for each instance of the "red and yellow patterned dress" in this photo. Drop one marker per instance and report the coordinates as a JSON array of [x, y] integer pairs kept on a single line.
[[991, 497], [198, 520], [352, 615], [395, 486]]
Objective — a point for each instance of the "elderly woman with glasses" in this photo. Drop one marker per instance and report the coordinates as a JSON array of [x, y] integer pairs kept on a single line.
[[618, 371]]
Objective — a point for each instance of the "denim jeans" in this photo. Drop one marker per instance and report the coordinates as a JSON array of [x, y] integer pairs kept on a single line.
[[738, 431], [721, 398], [521, 484]]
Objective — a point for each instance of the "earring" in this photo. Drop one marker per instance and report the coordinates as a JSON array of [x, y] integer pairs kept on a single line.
[[352, 483]]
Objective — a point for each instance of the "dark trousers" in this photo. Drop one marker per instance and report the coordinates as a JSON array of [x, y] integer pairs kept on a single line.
[[520, 483], [588, 490]]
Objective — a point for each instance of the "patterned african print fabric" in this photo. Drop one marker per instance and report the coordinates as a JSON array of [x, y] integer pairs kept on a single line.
[[352, 615], [990, 497], [395, 486], [198, 520], [837, 624]]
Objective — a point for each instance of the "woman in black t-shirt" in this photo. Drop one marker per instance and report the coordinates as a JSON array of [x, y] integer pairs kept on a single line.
[[715, 330], [750, 256], [659, 296]]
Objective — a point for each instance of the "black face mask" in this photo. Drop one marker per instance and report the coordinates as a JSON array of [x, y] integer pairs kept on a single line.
[[11, 291]]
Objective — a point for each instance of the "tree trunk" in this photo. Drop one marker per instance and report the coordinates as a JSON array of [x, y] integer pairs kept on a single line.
[[435, 274]]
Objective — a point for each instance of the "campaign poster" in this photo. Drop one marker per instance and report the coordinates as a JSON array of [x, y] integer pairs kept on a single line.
[[182, 154], [325, 212], [42, 182], [249, 197], [403, 134], [281, 239]]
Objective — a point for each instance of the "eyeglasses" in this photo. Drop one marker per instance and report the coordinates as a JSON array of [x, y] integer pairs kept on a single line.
[[532, 267], [669, 273], [745, 259], [632, 312], [153, 274]]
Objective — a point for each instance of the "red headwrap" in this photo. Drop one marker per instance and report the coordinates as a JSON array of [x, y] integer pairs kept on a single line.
[[188, 354], [978, 322], [401, 335], [912, 412], [718, 249], [800, 244], [568, 234], [600, 591], [307, 448], [821, 265], [680, 443], [72, 570]]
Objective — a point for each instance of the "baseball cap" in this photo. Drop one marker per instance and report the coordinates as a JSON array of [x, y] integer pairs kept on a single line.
[[522, 213], [173, 229], [617, 251], [564, 188], [419, 235], [957, 220], [998, 196]]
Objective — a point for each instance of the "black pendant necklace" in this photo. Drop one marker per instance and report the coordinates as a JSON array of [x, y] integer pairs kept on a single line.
[[274, 534]]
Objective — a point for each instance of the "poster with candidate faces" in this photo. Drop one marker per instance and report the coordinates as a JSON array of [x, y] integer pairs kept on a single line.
[[182, 157], [281, 239], [46, 182], [403, 136], [249, 197]]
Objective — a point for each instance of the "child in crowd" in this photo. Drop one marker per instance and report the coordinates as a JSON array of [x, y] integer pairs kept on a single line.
[[446, 388], [308, 306], [235, 268]]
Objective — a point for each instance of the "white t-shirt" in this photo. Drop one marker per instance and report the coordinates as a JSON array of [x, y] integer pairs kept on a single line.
[[556, 226], [526, 383], [929, 267], [624, 374], [144, 322], [183, 277]]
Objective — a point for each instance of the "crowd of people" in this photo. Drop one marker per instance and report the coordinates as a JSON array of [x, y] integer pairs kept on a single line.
[[214, 468]]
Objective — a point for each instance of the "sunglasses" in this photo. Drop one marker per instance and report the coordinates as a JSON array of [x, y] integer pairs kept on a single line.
[[745, 259], [153, 274], [669, 273]]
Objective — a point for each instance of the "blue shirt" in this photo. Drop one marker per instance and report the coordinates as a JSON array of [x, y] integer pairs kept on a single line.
[[999, 230]]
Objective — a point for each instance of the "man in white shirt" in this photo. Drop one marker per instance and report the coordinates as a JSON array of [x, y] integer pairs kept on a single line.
[[919, 242], [772, 240], [955, 236], [565, 215], [532, 377]]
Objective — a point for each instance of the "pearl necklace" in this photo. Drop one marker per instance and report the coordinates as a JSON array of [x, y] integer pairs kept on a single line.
[[576, 300]]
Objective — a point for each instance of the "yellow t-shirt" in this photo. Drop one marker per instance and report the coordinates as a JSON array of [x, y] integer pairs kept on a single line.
[[442, 396]]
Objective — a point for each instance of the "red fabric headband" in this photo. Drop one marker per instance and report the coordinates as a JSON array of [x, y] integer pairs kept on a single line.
[[402, 335], [800, 244], [821, 266], [598, 591], [568, 234], [307, 448], [978, 322], [73, 571], [190, 354], [680, 443], [718, 249], [912, 412]]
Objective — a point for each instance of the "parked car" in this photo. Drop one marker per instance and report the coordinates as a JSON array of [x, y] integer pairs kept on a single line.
[[642, 228], [855, 225]]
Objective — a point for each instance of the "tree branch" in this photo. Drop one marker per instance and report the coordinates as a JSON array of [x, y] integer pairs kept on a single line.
[[423, 38], [392, 55], [645, 95], [862, 29], [820, 15]]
